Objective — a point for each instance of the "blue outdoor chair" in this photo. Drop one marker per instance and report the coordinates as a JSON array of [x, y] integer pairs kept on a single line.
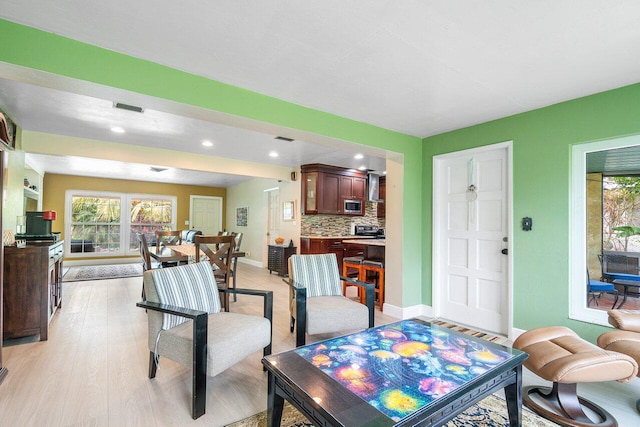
[[596, 287]]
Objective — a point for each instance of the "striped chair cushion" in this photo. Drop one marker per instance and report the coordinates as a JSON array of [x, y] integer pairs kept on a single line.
[[190, 286], [318, 273]]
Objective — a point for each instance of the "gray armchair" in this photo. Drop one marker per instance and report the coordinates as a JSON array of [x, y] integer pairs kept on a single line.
[[317, 304], [186, 325]]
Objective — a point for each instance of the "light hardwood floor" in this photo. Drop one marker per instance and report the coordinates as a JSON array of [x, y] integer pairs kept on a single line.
[[93, 369]]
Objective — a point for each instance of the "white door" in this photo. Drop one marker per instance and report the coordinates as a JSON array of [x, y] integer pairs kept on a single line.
[[471, 227], [206, 214]]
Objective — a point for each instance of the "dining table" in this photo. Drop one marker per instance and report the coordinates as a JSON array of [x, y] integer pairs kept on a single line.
[[186, 253]]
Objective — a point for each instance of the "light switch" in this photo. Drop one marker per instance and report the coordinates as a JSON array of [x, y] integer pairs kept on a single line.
[[186, 222]]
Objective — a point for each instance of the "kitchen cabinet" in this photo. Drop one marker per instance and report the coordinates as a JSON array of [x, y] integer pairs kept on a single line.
[[382, 195], [278, 258], [310, 245], [325, 188], [32, 288]]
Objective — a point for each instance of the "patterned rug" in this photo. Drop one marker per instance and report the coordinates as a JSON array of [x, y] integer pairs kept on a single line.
[[489, 412], [478, 334], [100, 272]]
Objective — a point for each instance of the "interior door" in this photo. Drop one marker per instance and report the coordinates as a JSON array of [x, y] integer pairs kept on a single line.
[[471, 259], [206, 214]]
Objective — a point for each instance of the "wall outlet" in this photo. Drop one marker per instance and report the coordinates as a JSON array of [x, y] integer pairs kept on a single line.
[[248, 254]]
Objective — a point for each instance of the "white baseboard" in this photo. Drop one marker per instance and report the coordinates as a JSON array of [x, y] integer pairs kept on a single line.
[[252, 262], [515, 333], [407, 312]]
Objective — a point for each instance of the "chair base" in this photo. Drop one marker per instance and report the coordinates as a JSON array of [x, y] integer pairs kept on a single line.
[[563, 397]]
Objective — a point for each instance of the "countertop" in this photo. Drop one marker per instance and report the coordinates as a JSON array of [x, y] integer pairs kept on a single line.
[[310, 236], [374, 242]]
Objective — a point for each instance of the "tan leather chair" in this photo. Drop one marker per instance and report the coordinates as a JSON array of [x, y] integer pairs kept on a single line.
[[559, 355], [626, 339]]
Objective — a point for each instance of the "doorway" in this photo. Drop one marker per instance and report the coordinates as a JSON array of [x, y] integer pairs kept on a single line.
[[471, 229], [206, 214]]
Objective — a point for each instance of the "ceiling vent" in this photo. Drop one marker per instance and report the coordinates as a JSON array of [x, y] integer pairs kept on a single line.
[[284, 138], [155, 169], [128, 107]]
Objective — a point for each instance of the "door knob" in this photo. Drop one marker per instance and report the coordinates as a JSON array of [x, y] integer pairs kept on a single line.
[[505, 251]]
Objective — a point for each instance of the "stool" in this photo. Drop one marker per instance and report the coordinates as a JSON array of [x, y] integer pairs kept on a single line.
[[378, 268], [558, 354], [354, 263]]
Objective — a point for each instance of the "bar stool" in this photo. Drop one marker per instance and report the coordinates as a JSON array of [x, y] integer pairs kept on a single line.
[[377, 267], [353, 263]]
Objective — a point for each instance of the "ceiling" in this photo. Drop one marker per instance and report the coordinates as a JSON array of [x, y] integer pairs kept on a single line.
[[417, 67]]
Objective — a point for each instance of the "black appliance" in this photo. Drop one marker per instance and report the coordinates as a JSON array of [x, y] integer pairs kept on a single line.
[[39, 227], [370, 230]]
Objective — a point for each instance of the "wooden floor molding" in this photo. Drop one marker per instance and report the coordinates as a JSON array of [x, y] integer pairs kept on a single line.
[[93, 369]]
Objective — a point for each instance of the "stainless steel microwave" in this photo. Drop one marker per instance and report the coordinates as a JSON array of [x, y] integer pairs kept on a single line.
[[352, 206]]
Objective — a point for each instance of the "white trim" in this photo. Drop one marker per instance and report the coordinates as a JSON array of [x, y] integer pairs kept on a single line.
[[578, 309], [410, 312], [252, 262], [436, 231]]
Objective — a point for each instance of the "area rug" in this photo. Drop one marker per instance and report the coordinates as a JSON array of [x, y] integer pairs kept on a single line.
[[489, 412], [100, 272], [478, 334]]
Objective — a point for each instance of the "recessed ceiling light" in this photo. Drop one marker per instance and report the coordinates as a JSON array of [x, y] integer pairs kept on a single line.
[[384, 173], [273, 154], [363, 168], [358, 156], [207, 143], [117, 129]]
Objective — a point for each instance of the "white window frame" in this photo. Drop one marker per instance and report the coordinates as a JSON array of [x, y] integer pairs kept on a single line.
[[578, 309], [125, 220]]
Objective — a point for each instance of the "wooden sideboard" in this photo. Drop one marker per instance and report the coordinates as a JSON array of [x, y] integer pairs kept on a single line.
[[32, 288], [278, 258]]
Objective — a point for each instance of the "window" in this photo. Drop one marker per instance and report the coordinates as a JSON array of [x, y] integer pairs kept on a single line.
[[105, 224], [603, 200]]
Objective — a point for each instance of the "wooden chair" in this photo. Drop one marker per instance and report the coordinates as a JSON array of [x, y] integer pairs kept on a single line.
[[164, 238], [317, 305], [145, 255], [218, 250], [234, 262], [213, 341], [376, 267], [349, 264]]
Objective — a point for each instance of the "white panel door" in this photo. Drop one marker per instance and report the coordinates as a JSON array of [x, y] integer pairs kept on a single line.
[[472, 216], [206, 214]]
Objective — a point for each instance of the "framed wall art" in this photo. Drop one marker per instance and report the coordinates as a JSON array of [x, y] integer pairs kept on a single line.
[[241, 216]]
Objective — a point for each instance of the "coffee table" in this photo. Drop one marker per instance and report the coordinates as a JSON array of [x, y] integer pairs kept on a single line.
[[406, 373]]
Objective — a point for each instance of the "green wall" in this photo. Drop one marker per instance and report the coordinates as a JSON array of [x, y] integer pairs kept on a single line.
[[43, 51], [542, 141]]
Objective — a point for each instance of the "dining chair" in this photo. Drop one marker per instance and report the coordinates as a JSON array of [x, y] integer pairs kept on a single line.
[[234, 262], [164, 238], [316, 302], [145, 255], [185, 324], [218, 251]]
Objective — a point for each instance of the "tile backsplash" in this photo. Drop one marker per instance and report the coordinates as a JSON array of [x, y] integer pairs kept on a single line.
[[339, 225]]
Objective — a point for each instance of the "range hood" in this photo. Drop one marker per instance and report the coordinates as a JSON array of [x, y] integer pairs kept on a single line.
[[374, 188]]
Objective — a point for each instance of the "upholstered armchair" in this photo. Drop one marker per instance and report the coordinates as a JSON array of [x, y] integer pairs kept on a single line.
[[626, 339], [317, 305], [186, 325]]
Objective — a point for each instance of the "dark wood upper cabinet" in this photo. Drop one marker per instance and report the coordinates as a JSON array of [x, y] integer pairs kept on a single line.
[[325, 189], [382, 195]]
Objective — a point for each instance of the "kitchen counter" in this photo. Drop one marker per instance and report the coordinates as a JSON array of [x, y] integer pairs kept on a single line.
[[335, 237], [373, 242]]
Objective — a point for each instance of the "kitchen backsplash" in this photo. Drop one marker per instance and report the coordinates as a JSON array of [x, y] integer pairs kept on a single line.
[[339, 225]]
